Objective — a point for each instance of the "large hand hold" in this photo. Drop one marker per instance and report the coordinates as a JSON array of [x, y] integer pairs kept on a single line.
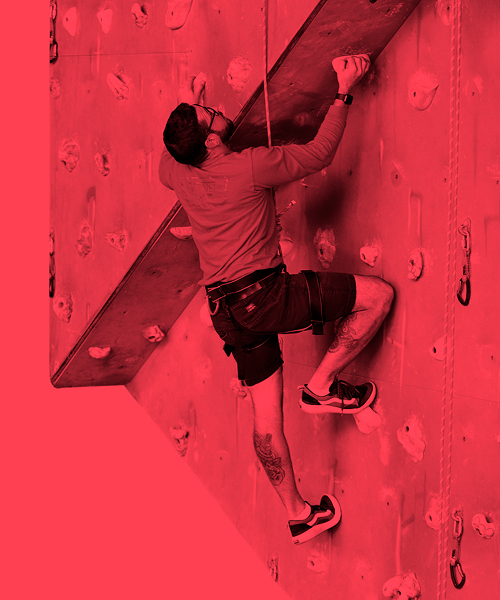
[[350, 70]]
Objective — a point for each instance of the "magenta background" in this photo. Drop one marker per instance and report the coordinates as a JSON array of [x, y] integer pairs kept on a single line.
[[97, 504]]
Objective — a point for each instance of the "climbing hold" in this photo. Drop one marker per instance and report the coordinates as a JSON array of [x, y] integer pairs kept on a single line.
[[415, 265], [69, 154], [238, 387], [55, 87], [180, 437], [367, 420], [272, 563], [99, 353], [238, 73], [484, 526], [422, 89], [84, 242], [432, 516], [153, 333], [317, 563], [324, 240], [183, 233], [102, 162], [286, 246], [369, 255], [410, 436], [140, 15], [205, 316], [177, 13], [70, 21], [119, 84], [402, 587], [117, 240], [437, 351], [63, 307], [105, 17]]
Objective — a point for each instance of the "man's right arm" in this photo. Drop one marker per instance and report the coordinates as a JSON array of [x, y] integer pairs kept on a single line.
[[282, 164]]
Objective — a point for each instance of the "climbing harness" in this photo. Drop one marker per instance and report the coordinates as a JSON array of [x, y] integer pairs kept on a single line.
[[464, 230], [315, 301], [456, 571]]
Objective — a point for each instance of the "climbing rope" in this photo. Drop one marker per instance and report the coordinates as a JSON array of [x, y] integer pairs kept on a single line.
[[266, 93], [449, 306], [266, 102]]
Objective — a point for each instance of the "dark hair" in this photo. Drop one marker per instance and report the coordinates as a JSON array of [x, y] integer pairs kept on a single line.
[[184, 136]]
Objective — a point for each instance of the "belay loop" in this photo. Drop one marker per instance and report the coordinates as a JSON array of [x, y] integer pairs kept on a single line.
[[464, 231]]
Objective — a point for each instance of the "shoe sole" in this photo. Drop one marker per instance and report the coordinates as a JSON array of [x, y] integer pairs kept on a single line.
[[317, 409], [317, 530]]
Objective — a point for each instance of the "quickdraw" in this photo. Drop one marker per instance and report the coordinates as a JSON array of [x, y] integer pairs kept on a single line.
[[464, 231], [456, 571], [53, 43]]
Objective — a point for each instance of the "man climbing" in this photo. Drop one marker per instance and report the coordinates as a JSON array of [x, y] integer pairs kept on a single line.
[[251, 296]]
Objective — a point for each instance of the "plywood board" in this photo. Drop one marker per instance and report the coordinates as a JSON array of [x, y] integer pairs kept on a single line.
[[154, 292]]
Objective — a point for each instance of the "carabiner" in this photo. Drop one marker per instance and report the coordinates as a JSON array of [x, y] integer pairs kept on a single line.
[[456, 572], [464, 301], [458, 525]]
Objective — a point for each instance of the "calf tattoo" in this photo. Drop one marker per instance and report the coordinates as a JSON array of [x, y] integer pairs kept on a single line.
[[344, 336], [269, 460]]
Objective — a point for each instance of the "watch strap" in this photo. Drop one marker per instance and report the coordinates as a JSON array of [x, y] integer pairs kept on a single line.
[[346, 98]]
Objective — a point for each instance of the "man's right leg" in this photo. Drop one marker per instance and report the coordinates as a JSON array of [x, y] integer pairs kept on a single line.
[[373, 301]]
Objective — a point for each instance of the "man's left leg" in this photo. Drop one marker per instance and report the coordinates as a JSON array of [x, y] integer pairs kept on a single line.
[[305, 521]]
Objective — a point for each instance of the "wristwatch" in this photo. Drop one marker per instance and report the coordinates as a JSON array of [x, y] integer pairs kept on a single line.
[[346, 98]]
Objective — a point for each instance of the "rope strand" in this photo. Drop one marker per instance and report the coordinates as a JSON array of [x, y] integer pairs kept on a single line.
[[445, 453]]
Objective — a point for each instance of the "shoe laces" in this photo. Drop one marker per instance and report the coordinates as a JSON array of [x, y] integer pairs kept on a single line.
[[343, 389]]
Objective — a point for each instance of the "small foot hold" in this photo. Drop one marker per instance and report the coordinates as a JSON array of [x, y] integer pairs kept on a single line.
[[63, 307], [324, 241], [118, 85], [238, 73], [422, 89], [411, 437], [84, 242], [402, 587], [367, 420], [317, 563], [140, 15], [182, 233], [105, 18], [70, 21], [116, 240], [102, 163], [415, 265], [69, 154], [180, 437], [483, 526], [177, 13], [99, 353], [369, 255], [153, 333]]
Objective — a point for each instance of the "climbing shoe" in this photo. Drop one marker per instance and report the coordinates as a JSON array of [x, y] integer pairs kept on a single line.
[[343, 398], [322, 517]]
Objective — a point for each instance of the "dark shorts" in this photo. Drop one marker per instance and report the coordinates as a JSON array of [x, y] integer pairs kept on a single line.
[[249, 327]]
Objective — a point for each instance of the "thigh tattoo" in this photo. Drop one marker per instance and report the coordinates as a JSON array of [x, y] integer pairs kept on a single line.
[[269, 460]]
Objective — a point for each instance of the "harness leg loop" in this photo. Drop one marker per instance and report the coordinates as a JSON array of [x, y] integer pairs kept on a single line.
[[315, 301]]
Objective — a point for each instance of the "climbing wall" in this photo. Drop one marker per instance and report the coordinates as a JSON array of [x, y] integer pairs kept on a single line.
[[115, 73], [381, 209]]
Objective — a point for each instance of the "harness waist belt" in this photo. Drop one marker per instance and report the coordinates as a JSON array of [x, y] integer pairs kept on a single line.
[[242, 287]]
